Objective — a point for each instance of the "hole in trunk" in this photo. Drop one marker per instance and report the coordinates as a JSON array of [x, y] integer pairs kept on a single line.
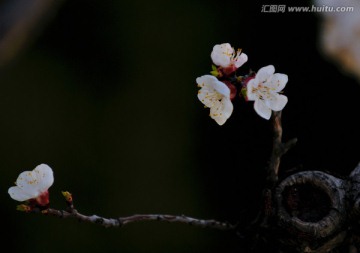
[[306, 202]]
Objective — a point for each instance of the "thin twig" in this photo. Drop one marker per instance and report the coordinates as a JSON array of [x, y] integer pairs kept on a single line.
[[122, 221]]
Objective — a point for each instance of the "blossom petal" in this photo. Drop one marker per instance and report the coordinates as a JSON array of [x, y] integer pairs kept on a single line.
[[19, 194], [241, 59], [205, 96], [277, 103], [205, 80], [249, 90], [45, 176], [265, 73], [262, 109], [222, 88], [28, 182], [278, 82], [221, 111], [227, 108], [221, 54]]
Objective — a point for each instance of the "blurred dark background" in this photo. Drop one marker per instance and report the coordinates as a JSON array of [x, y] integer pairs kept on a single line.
[[105, 94]]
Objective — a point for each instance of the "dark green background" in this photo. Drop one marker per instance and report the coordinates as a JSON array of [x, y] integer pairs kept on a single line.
[[106, 96]]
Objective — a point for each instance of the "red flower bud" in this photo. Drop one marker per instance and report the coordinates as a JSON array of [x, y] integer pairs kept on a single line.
[[233, 89]]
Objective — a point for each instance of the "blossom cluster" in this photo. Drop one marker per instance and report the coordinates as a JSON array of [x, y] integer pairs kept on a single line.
[[218, 90]]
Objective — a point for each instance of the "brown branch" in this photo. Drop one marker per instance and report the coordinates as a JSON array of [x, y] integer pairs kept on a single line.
[[122, 221], [71, 212], [279, 149]]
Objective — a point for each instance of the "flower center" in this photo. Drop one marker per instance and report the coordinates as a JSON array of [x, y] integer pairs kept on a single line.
[[227, 51], [214, 97], [263, 91]]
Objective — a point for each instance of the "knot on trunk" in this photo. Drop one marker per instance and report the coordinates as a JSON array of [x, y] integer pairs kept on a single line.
[[312, 210]]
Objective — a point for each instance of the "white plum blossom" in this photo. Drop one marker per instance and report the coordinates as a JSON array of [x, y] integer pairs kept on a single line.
[[225, 56], [264, 90], [215, 95], [33, 185]]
